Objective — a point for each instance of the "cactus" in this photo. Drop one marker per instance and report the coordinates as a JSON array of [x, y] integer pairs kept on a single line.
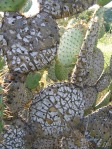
[[97, 130], [84, 63], [55, 117], [97, 66], [51, 71], [69, 47], [105, 100], [103, 2], [58, 72], [32, 80], [18, 95], [34, 54], [11, 5], [100, 14], [61, 71]]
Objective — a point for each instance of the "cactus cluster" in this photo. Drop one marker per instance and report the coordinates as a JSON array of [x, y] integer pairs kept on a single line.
[[55, 116]]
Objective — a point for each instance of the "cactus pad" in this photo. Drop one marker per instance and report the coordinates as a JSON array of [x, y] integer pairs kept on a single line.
[[97, 67], [89, 95], [99, 127], [103, 2], [61, 71], [55, 107], [69, 47], [33, 39], [11, 5], [32, 80], [84, 63], [17, 95], [51, 71], [13, 135]]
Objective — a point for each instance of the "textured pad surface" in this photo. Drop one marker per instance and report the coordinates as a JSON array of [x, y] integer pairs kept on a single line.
[[55, 107], [28, 44]]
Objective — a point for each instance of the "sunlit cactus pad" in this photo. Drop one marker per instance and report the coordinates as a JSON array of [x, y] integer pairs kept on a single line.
[[55, 107], [11, 5], [70, 45], [28, 44], [84, 65]]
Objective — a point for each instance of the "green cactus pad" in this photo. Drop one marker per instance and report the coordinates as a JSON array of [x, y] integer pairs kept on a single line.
[[103, 2], [61, 72], [32, 80], [27, 6], [70, 45], [89, 95], [11, 5], [51, 71], [99, 127]]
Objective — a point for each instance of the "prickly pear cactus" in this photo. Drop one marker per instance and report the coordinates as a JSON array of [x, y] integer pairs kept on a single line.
[[103, 2], [27, 50], [11, 5], [97, 130], [55, 117], [14, 135], [84, 64], [32, 80], [61, 71], [70, 44]]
